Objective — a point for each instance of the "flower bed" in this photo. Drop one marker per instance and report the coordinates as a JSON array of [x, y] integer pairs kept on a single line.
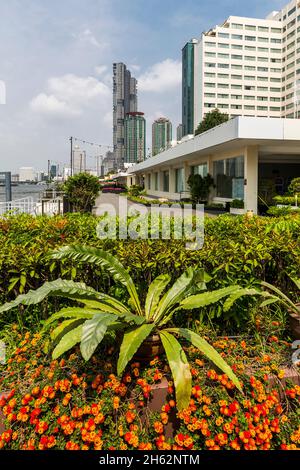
[[72, 405]]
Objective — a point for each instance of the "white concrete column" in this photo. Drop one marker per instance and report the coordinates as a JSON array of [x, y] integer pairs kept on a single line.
[[251, 178], [172, 183]]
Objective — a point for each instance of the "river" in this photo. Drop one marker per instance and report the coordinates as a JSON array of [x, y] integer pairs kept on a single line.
[[23, 190]]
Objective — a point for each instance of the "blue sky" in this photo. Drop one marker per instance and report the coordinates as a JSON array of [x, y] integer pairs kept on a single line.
[[56, 60]]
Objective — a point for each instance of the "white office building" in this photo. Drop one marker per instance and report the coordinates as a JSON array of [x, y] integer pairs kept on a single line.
[[245, 67], [27, 173]]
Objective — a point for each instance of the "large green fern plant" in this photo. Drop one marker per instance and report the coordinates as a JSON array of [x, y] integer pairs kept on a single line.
[[97, 313]]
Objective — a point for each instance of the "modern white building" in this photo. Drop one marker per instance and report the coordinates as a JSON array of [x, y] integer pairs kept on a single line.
[[27, 173], [244, 67], [79, 160], [246, 156]]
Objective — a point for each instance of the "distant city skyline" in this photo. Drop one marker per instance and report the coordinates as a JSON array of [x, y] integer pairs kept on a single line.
[[56, 64]]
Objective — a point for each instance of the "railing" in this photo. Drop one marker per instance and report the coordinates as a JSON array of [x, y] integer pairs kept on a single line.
[[25, 205], [29, 206]]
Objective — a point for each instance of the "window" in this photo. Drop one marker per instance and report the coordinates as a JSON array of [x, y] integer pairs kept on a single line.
[[262, 98], [223, 66], [276, 41], [223, 35], [276, 70], [236, 26], [156, 181], [249, 107], [209, 75], [236, 106], [275, 51], [250, 48], [223, 75], [223, 56], [263, 29], [262, 69], [237, 46], [236, 67], [209, 95], [262, 59], [239, 37], [222, 95], [237, 77], [236, 57], [249, 67], [166, 181], [275, 30], [262, 79], [249, 87], [275, 89], [248, 97], [210, 64], [236, 87], [209, 85], [223, 85], [250, 38], [273, 79], [149, 180], [210, 44], [250, 27], [263, 49], [200, 170], [292, 11], [229, 178], [179, 180], [262, 108], [249, 77], [249, 57], [273, 98], [261, 39], [274, 108], [223, 105], [209, 105], [210, 54], [223, 45]]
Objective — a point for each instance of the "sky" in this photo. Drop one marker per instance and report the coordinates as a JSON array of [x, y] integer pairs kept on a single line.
[[56, 63]]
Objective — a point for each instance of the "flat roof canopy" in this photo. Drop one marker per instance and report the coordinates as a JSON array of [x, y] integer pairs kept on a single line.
[[273, 137]]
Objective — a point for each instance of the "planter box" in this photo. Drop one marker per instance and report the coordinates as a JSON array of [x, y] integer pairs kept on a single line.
[[236, 211]]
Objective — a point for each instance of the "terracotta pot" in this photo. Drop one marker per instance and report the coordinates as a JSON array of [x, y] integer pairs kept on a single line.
[[295, 323], [151, 347]]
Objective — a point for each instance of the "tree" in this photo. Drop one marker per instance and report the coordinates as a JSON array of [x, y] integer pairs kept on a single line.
[[200, 187], [81, 191], [212, 119]]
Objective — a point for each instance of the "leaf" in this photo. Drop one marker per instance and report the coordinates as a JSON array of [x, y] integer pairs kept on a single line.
[[207, 298], [241, 293], [93, 332], [65, 326], [105, 260], [180, 369], [59, 287], [155, 290], [67, 342], [131, 342], [70, 312], [208, 351], [117, 308], [175, 294]]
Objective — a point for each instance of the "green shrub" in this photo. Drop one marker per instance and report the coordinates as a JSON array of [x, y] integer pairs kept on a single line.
[[81, 191], [237, 204], [294, 187], [285, 200]]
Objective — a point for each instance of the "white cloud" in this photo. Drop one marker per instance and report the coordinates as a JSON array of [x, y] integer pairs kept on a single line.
[[52, 106], [86, 36], [69, 94], [100, 69], [161, 77]]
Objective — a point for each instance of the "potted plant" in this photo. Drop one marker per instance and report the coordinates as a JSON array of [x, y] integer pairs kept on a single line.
[[237, 207], [200, 188], [98, 313]]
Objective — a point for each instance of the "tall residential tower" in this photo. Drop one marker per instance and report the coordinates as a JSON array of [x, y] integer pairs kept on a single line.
[[246, 67], [124, 102], [135, 137], [161, 135]]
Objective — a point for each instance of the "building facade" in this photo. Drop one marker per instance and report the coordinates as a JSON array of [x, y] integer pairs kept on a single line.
[[79, 160], [135, 137], [161, 135], [179, 132], [124, 102], [188, 92], [247, 157], [244, 67]]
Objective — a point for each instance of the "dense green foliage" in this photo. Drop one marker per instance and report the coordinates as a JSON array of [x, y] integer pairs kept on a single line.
[[294, 187], [200, 187], [237, 204], [211, 120], [236, 251], [81, 191]]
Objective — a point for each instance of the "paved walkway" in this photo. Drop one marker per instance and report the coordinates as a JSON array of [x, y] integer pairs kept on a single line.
[[111, 203]]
